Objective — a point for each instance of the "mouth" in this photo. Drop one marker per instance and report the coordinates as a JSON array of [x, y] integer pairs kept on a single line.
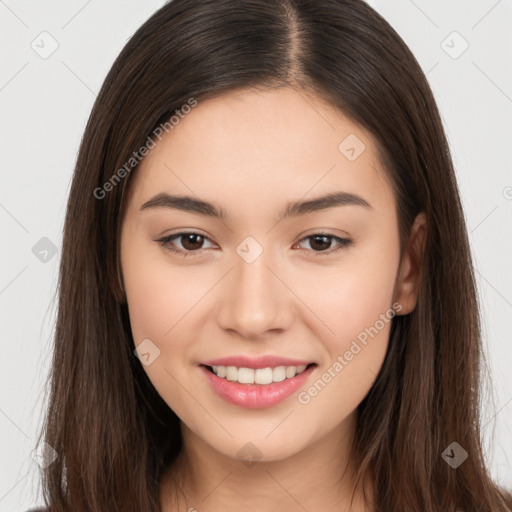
[[256, 388]]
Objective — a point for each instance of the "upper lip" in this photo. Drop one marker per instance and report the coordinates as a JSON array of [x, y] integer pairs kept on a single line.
[[256, 362]]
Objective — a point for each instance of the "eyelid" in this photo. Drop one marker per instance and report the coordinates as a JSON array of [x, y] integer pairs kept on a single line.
[[341, 242]]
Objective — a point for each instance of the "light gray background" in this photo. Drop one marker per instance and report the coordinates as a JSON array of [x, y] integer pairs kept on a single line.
[[45, 103]]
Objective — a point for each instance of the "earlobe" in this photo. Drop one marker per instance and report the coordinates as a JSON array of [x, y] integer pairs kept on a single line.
[[409, 273]]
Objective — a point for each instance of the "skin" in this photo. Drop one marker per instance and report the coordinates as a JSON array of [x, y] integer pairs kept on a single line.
[[251, 152]]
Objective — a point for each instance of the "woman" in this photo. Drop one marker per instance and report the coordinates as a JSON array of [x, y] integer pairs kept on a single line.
[[266, 278]]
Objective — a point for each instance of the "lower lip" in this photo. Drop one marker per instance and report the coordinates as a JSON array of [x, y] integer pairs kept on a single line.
[[256, 396]]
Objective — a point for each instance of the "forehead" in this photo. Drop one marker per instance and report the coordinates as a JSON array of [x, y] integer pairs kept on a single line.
[[258, 148]]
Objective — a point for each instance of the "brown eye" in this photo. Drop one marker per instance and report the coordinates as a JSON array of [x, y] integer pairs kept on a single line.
[[320, 242], [190, 243]]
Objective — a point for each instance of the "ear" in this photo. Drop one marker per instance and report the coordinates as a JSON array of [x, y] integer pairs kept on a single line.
[[408, 276]]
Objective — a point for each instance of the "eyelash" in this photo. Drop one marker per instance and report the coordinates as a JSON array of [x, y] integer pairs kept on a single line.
[[342, 243]]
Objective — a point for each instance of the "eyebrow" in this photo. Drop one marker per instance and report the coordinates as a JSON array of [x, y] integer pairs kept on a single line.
[[294, 209]]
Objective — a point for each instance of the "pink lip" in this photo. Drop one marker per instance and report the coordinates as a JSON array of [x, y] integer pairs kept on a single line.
[[255, 363], [255, 396]]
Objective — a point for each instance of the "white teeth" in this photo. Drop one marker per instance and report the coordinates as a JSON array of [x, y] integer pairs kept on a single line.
[[259, 376], [290, 371], [246, 375], [279, 373], [231, 373], [263, 376]]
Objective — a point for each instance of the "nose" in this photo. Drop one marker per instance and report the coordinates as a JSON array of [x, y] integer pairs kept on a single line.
[[255, 299]]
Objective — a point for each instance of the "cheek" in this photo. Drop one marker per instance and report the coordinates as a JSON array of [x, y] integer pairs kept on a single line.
[[161, 301], [164, 303], [161, 296], [351, 296], [354, 303], [357, 309]]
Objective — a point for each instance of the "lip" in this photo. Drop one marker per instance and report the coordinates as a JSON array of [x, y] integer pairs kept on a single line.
[[255, 396], [255, 362]]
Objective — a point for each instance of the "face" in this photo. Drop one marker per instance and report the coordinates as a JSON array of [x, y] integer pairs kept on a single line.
[[239, 278]]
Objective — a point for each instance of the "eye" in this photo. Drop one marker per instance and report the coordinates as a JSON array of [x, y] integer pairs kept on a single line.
[[191, 243], [321, 241]]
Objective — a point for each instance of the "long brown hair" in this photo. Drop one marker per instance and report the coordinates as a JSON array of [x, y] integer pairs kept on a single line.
[[113, 433]]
